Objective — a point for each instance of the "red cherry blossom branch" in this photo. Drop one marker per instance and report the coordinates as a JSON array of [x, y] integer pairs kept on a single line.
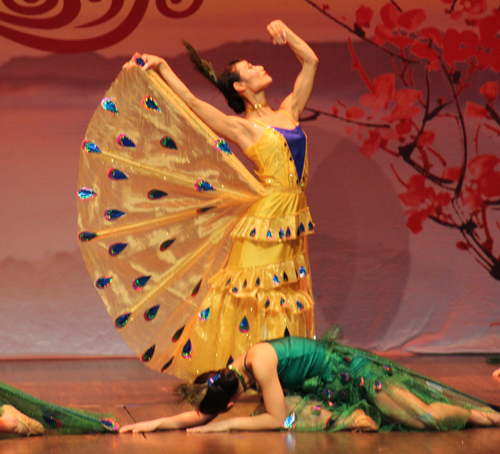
[[316, 113], [364, 38]]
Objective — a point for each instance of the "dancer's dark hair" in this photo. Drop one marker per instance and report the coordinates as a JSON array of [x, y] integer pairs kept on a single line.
[[225, 83], [211, 392]]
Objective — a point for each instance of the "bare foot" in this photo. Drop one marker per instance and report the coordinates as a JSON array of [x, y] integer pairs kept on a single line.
[[496, 374], [13, 421], [361, 422]]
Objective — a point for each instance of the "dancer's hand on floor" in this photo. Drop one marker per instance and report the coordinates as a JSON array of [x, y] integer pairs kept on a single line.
[[146, 426], [219, 426]]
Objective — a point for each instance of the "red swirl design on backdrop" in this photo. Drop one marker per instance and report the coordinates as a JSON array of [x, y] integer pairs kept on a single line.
[[25, 16]]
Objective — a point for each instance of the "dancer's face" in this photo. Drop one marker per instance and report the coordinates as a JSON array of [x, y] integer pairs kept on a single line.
[[253, 78]]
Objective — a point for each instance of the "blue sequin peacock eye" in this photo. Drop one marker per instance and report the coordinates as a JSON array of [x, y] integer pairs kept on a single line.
[[302, 271], [310, 226], [245, 284], [288, 233], [148, 354], [150, 103], [109, 106], [196, 288], [257, 282], [103, 282], [300, 306], [235, 290], [285, 277], [253, 232], [276, 281], [125, 141], [150, 314], [110, 424], [187, 350], [166, 244], [287, 333], [229, 361], [139, 61], [155, 194], [222, 146], [202, 185], [282, 301], [228, 281], [244, 325], [140, 282], [52, 422], [169, 143], [281, 234], [116, 248], [345, 377], [86, 193], [178, 334], [111, 215], [122, 320], [87, 236], [388, 369], [269, 235], [267, 303], [328, 394], [301, 228], [204, 314], [378, 386], [167, 364], [115, 174], [90, 147], [289, 422]]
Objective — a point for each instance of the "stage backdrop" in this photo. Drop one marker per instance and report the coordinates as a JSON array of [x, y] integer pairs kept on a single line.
[[403, 128]]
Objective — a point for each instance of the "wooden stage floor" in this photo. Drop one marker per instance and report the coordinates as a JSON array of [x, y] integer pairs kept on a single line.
[[132, 392]]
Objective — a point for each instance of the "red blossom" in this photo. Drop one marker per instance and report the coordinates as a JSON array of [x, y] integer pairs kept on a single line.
[[489, 27], [335, 110], [405, 108], [459, 47], [433, 34], [373, 143], [463, 245], [451, 173], [412, 19], [403, 127], [490, 91], [474, 7], [390, 15], [354, 113], [484, 183], [426, 139], [474, 110], [424, 202], [382, 91], [423, 50], [364, 15], [325, 6]]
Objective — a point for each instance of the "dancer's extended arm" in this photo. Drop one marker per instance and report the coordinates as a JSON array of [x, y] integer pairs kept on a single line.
[[297, 100], [180, 421], [228, 126]]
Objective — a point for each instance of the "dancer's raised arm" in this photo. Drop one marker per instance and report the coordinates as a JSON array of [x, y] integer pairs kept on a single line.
[[297, 100], [230, 127]]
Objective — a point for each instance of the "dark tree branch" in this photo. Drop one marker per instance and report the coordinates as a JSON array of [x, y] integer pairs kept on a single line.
[[396, 5], [317, 113], [493, 114]]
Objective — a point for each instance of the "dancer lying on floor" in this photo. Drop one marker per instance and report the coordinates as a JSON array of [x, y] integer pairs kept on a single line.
[[332, 388]]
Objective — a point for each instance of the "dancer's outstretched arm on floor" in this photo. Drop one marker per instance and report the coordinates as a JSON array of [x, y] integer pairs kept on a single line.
[[180, 421]]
